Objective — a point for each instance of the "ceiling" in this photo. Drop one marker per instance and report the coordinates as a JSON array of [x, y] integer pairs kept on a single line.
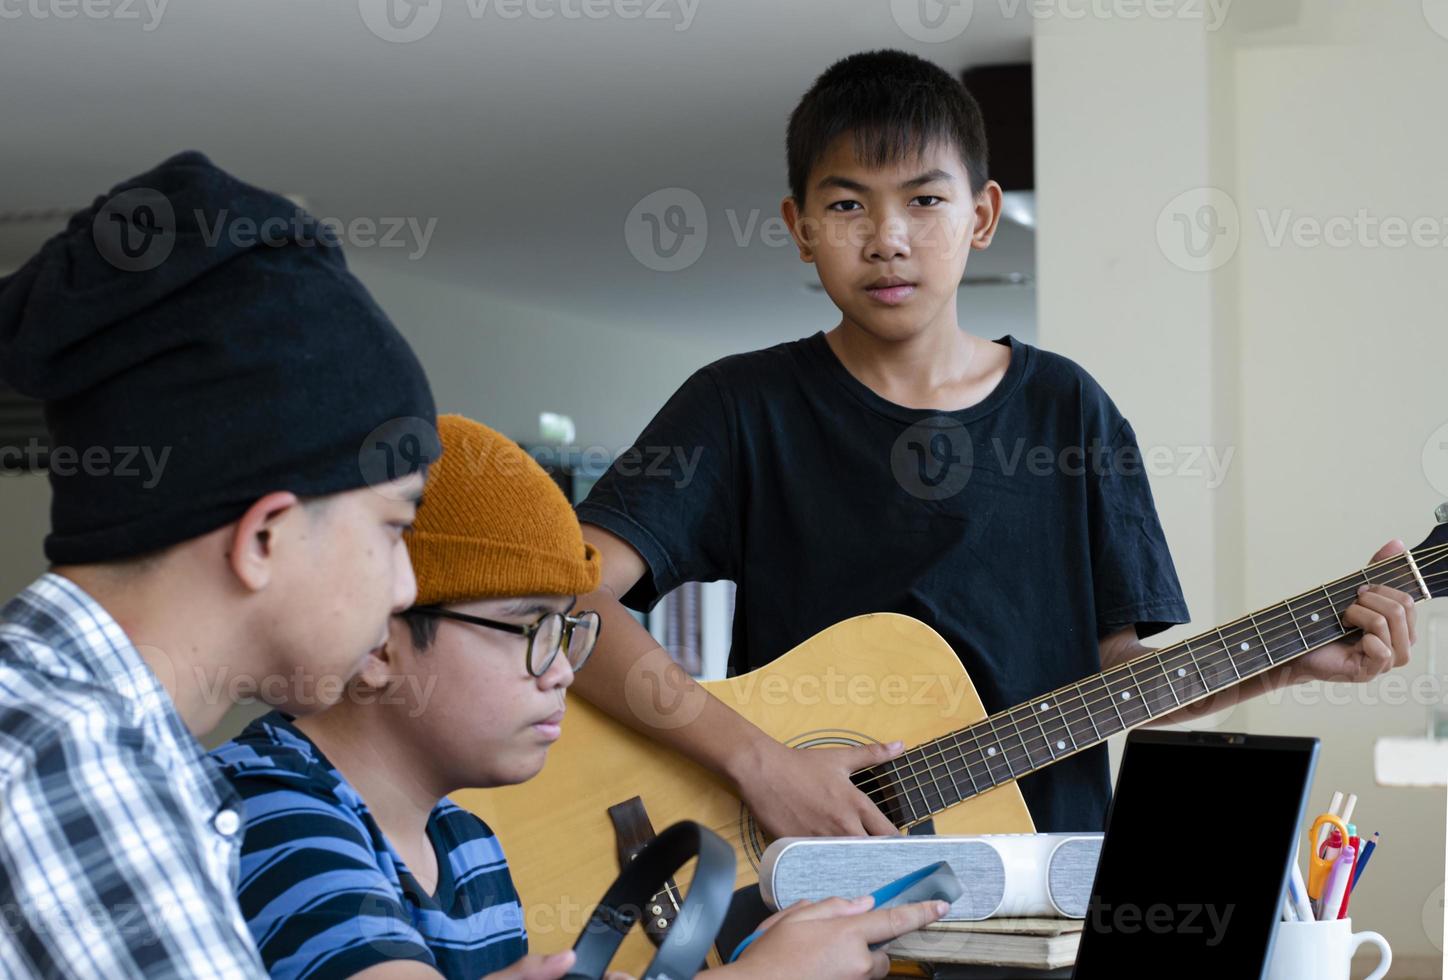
[[530, 139]]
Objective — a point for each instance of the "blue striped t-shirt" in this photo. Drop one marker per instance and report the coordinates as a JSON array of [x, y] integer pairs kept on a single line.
[[325, 894]]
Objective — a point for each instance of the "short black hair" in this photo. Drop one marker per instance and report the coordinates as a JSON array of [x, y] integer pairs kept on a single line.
[[423, 627], [896, 105]]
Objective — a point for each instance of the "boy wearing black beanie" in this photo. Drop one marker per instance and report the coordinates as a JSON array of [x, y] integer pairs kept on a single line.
[[211, 327]]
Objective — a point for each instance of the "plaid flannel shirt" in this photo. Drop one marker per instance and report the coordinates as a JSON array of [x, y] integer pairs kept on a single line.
[[119, 838]]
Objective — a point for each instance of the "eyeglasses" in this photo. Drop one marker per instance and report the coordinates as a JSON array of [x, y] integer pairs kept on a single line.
[[552, 633]]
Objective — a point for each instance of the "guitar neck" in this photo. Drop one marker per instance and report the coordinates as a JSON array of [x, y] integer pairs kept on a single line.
[[1009, 744]]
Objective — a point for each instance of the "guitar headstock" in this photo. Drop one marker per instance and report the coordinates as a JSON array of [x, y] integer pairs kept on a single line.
[[1432, 556]]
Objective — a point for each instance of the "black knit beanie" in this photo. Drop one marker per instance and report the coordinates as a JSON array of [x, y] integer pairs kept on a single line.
[[199, 343]]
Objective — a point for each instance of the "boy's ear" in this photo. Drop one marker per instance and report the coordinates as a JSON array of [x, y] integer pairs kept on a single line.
[[987, 215], [253, 547], [799, 228], [380, 668]]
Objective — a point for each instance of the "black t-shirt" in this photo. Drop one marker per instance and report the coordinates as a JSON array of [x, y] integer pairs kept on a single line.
[[1022, 528]]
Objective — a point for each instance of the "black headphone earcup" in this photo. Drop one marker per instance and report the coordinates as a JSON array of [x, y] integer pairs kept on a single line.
[[694, 928]]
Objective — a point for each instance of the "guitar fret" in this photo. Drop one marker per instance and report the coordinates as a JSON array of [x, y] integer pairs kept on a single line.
[[932, 768], [906, 789], [1036, 717], [1266, 649], [1000, 748], [974, 787], [1417, 573], [986, 756], [990, 777], [1021, 736], [1161, 665], [1227, 649], [1081, 693], [916, 787], [1296, 625]]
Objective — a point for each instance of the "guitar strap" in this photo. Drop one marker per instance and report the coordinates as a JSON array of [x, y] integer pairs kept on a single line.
[[692, 933]]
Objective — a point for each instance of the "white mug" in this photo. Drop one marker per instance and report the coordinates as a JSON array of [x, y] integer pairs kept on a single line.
[[1322, 951]]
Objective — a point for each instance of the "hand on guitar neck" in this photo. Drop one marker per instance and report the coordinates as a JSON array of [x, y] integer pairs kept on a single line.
[[791, 792], [1386, 618]]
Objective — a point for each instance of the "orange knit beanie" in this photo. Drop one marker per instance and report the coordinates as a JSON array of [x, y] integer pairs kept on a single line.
[[494, 524]]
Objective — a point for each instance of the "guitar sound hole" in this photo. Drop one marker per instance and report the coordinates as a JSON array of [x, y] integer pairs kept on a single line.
[[752, 836]]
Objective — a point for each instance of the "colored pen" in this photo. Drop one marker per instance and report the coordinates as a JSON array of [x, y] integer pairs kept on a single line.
[[1336, 885], [1354, 842], [1368, 849]]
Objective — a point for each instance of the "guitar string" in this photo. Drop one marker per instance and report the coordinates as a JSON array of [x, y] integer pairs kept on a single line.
[[977, 757], [1177, 655], [1427, 558], [1168, 656]]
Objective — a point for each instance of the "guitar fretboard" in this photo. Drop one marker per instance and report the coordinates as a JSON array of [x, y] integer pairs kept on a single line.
[[1011, 743]]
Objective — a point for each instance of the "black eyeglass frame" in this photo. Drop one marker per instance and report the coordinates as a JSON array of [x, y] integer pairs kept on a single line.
[[565, 635]]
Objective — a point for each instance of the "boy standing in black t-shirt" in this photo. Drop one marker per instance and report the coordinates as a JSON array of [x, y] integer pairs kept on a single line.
[[898, 463]]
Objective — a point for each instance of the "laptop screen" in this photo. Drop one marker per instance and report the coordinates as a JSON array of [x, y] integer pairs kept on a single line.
[[1193, 866]]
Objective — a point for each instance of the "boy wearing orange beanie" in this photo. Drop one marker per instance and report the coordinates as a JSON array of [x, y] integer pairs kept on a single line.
[[354, 861]]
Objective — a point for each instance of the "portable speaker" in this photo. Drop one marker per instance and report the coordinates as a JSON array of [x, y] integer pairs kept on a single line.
[[1012, 875]]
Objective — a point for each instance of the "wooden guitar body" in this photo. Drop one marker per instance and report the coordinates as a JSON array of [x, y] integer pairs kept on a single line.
[[873, 678]]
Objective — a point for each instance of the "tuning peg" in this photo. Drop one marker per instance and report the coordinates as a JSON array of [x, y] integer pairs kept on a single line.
[[1442, 513]]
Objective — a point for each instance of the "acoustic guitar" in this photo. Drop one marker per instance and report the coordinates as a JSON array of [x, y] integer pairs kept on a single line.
[[876, 677]]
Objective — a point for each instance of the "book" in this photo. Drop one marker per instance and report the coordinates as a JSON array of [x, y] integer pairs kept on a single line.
[[1036, 944]]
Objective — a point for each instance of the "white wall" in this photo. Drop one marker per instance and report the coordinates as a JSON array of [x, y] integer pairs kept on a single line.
[[1321, 367], [503, 364]]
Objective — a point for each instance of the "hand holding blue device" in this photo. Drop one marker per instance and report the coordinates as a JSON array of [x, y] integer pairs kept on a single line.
[[934, 882]]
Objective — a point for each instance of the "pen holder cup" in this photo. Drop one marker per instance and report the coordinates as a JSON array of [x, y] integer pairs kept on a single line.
[[1322, 951]]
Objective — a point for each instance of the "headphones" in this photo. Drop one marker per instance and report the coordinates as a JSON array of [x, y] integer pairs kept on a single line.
[[687, 943]]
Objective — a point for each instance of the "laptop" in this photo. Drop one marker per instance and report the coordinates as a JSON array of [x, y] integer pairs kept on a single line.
[[1194, 864]]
